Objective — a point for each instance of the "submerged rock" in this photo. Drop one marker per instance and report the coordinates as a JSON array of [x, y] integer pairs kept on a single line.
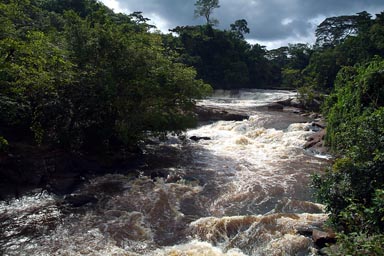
[[77, 200], [197, 138]]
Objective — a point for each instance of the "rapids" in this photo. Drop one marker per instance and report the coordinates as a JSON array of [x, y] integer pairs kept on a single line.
[[242, 191]]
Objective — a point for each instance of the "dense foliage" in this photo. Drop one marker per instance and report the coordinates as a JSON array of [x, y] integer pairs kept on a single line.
[[223, 58], [353, 189], [76, 75], [356, 132]]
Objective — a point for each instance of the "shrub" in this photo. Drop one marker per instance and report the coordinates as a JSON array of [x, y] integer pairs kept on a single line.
[[3, 144]]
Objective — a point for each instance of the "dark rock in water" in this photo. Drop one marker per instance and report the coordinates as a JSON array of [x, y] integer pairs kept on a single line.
[[63, 183], [197, 138], [287, 102], [159, 174], [76, 200], [215, 114], [275, 106], [173, 178], [319, 124], [316, 142], [313, 105], [321, 238]]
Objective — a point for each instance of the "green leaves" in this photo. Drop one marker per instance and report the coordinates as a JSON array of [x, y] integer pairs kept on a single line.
[[353, 188], [89, 79], [205, 8], [3, 144]]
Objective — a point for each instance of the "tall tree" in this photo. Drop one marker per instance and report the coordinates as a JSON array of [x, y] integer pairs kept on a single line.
[[239, 28], [332, 31], [204, 8]]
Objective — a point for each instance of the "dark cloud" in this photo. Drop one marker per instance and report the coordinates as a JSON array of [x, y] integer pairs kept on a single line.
[[270, 21]]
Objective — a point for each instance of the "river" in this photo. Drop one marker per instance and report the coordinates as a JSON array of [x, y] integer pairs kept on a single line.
[[243, 189]]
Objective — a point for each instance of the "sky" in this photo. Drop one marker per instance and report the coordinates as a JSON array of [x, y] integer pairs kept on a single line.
[[272, 23]]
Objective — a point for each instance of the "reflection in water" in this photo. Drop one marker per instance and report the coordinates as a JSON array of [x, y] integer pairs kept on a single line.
[[242, 192]]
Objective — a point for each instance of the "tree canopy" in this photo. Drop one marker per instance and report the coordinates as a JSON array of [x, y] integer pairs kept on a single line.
[[83, 78], [204, 8]]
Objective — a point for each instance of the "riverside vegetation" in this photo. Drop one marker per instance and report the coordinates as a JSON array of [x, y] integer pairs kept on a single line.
[[77, 76]]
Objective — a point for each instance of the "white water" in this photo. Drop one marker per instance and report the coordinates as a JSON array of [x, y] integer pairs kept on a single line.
[[243, 192], [246, 98]]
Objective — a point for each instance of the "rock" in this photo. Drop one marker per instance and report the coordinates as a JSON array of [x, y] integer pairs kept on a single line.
[[63, 183], [275, 106], [173, 178], [319, 124], [215, 114], [297, 103], [286, 103], [197, 138], [159, 174], [314, 115], [76, 200], [315, 139], [322, 238]]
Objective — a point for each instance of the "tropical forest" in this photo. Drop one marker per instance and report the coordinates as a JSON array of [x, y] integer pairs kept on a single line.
[[119, 139]]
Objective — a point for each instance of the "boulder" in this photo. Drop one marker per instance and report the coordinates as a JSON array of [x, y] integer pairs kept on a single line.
[[316, 140], [205, 113], [275, 106], [197, 138], [319, 124], [77, 200], [322, 238]]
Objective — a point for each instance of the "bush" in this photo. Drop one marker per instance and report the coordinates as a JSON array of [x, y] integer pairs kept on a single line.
[[359, 244], [3, 144]]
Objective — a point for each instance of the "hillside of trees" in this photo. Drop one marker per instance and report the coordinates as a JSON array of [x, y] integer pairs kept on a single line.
[[77, 76]]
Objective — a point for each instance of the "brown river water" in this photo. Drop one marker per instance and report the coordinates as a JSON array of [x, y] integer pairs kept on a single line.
[[245, 191]]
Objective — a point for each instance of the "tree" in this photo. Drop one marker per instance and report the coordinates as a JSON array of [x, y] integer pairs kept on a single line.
[[332, 31], [239, 28], [204, 8], [82, 78]]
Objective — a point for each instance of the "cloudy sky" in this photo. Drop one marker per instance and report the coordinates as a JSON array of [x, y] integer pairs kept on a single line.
[[273, 23]]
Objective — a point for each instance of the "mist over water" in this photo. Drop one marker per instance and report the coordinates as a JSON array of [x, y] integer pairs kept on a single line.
[[243, 191]]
